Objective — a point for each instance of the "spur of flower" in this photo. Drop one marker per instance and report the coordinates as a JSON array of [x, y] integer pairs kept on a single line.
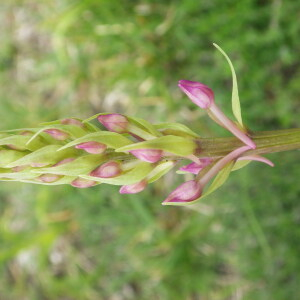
[[116, 149]]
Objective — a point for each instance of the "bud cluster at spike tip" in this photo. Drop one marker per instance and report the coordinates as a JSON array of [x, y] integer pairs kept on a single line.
[[129, 152], [198, 92]]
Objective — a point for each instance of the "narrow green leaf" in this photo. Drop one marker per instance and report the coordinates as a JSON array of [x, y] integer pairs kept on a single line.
[[160, 170], [240, 164], [236, 107], [219, 179]]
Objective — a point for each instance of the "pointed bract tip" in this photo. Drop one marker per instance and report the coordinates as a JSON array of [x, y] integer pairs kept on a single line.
[[92, 147], [57, 134], [198, 92], [133, 188], [186, 192], [107, 170], [114, 122], [148, 155], [83, 183]]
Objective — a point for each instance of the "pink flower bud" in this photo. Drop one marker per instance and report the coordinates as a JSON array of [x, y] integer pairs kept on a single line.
[[186, 192], [72, 122], [38, 165], [64, 161], [92, 147], [57, 134], [114, 122], [195, 168], [83, 183], [199, 93], [133, 188], [107, 170], [148, 155], [19, 168], [48, 178]]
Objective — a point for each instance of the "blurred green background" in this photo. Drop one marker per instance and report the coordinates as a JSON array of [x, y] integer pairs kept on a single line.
[[77, 58]]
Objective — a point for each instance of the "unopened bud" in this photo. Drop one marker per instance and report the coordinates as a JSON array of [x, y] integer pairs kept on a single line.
[[64, 161], [107, 170], [72, 122], [133, 188], [57, 134], [199, 93], [114, 122], [83, 183], [186, 192], [148, 155], [92, 147], [48, 178]]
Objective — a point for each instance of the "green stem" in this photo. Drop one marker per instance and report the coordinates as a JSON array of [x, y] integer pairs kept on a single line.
[[266, 142]]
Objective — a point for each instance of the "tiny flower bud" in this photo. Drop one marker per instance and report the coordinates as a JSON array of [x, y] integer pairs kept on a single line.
[[114, 122], [186, 192], [19, 168], [38, 165], [57, 134], [92, 147], [107, 170], [199, 93], [195, 168], [48, 178], [72, 122], [148, 155], [133, 188], [83, 183], [64, 161]]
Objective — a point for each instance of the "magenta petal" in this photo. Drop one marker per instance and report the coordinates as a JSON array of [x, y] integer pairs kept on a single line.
[[92, 147], [107, 170], [186, 192], [148, 155], [195, 168], [199, 93], [257, 158], [83, 183], [133, 188], [57, 134], [114, 122]]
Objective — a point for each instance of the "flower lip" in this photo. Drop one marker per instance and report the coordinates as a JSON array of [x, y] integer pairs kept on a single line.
[[198, 92]]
